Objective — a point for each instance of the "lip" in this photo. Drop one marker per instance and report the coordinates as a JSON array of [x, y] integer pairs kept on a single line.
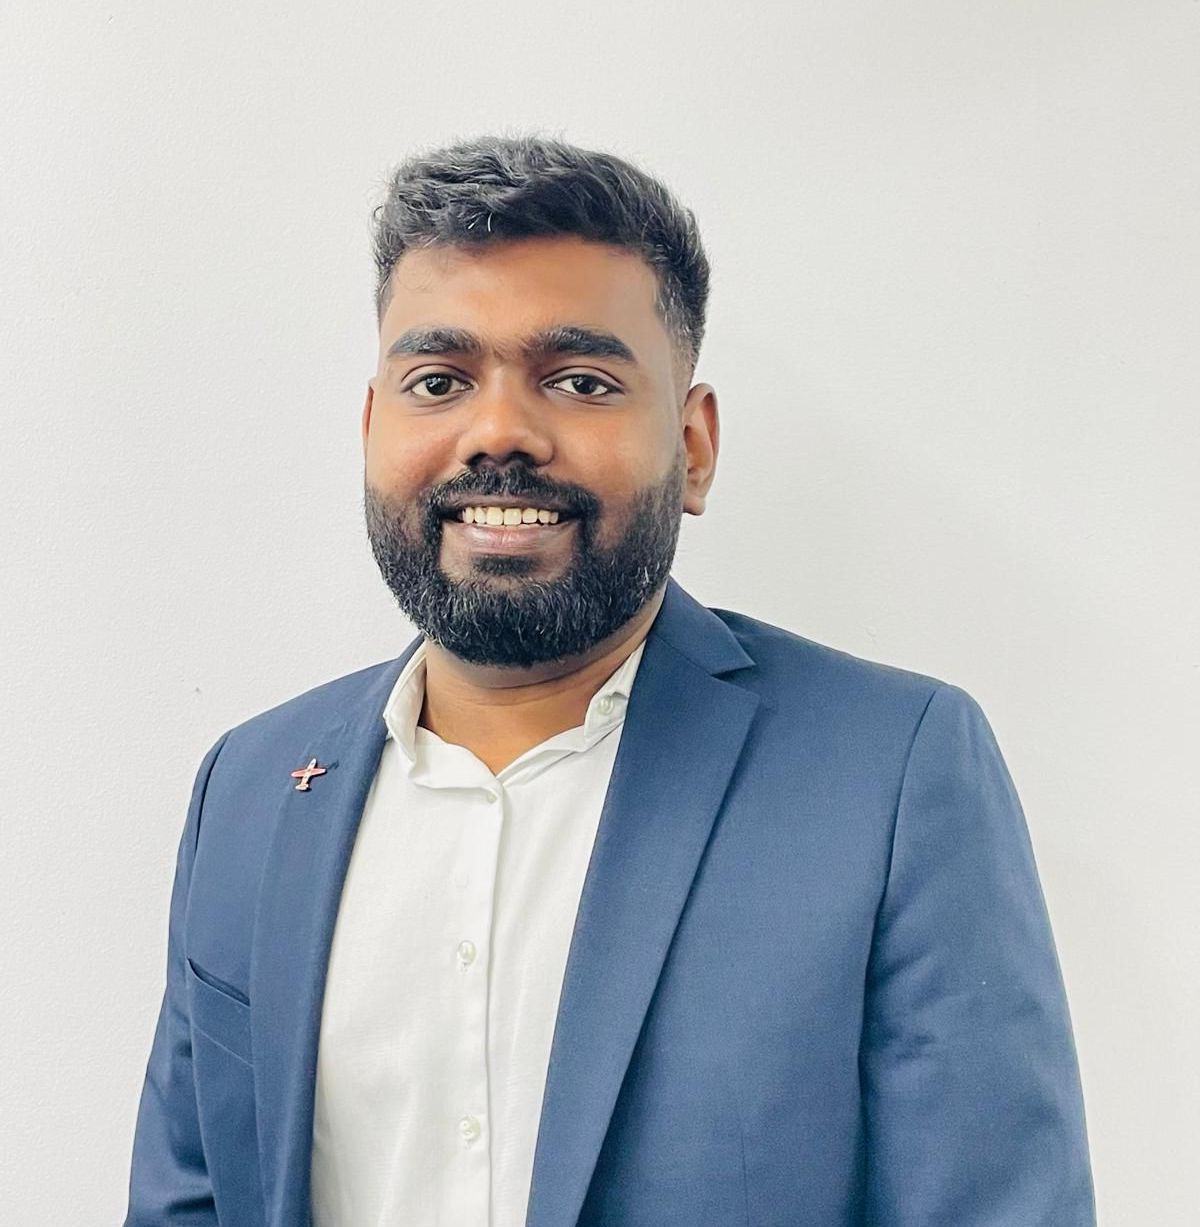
[[509, 538]]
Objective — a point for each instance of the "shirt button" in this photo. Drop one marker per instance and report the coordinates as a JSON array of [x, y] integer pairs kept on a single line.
[[605, 705], [468, 1128], [466, 953], [491, 794]]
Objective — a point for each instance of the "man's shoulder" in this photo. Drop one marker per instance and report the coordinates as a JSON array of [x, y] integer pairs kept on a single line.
[[841, 702], [316, 708], [793, 671]]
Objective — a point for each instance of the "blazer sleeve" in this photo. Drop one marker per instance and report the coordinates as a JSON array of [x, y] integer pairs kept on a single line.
[[974, 1112], [168, 1181]]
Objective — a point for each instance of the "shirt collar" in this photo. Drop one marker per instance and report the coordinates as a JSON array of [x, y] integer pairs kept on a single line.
[[606, 709]]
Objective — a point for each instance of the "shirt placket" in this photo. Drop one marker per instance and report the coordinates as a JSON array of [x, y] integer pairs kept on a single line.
[[469, 963]]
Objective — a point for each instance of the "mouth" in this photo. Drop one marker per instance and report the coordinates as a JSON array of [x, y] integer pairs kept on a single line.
[[508, 515], [508, 530]]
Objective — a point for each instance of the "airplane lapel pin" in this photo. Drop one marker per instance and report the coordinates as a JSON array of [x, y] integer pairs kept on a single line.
[[305, 774]]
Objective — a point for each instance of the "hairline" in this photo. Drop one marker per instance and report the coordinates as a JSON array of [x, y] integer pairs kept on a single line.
[[682, 360]]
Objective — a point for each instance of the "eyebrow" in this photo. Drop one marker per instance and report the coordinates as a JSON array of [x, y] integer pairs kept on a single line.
[[573, 340]]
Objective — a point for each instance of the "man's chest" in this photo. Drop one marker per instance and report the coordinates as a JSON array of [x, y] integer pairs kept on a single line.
[[452, 934]]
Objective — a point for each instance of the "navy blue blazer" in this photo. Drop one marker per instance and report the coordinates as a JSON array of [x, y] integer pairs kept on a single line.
[[811, 979]]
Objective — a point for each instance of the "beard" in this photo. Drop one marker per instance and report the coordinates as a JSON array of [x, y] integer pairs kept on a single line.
[[519, 622]]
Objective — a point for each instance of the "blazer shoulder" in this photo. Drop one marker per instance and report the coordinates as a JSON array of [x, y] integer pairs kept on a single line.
[[313, 709], [792, 669]]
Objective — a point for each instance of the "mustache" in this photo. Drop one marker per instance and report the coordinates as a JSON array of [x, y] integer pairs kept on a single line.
[[521, 485]]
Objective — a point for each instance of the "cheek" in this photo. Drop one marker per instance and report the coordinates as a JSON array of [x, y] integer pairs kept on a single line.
[[626, 466], [391, 472], [399, 462], [641, 447]]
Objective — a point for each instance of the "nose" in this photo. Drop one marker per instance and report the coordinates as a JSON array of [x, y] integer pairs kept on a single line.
[[503, 420]]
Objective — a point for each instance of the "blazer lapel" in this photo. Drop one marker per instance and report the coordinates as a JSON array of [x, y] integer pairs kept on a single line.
[[683, 735], [302, 886]]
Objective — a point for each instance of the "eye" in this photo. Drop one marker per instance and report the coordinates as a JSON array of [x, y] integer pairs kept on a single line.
[[436, 386], [588, 382]]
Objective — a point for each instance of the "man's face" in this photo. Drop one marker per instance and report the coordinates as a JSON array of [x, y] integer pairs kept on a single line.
[[529, 374]]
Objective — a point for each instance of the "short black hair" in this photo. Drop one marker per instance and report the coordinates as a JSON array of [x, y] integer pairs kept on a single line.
[[493, 188]]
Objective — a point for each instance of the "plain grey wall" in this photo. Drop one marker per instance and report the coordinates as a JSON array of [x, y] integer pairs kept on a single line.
[[954, 334]]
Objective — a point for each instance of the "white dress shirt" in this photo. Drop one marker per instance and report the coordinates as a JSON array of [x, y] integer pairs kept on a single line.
[[446, 967]]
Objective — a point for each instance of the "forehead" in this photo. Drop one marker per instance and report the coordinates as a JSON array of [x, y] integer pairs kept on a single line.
[[507, 288]]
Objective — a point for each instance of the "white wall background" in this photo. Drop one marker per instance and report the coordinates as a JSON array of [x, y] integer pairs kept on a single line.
[[954, 330]]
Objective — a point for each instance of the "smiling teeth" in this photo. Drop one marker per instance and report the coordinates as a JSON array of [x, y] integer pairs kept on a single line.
[[507, 515]]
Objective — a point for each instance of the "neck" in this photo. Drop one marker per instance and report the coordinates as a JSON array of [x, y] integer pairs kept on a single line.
[[498, 712]]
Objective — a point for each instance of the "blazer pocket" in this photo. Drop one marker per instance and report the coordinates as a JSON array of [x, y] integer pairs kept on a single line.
[[219, 1011]]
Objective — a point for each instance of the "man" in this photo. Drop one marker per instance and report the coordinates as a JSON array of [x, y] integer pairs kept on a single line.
[[595, 906]]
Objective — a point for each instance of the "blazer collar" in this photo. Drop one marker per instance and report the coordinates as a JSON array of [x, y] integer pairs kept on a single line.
[[648, 845]]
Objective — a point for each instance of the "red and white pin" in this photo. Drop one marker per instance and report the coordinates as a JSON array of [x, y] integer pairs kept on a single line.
[[305, 774]]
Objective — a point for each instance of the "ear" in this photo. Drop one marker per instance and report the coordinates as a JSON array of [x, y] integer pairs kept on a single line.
[[366, 414], [701, 437]]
